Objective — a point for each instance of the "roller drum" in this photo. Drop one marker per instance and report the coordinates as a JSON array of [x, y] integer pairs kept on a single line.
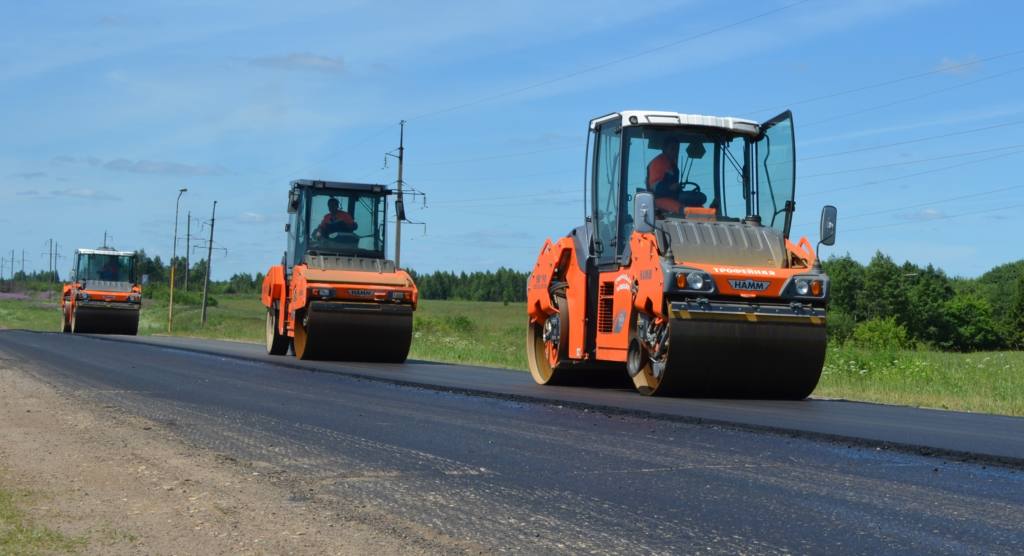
[[740, 359], [354, 332], [102, 320]]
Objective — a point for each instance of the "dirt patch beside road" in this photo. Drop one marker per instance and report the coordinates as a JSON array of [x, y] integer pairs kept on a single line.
[[127, 486]]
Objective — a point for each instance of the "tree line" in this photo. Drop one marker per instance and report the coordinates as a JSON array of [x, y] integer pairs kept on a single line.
[[908, 304], [921, 305]]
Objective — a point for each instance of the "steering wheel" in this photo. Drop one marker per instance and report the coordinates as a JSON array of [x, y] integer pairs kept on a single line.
[[683, 184]]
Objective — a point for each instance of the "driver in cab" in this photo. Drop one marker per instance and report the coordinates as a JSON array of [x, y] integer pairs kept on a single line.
[[663, 181], [336, 220]]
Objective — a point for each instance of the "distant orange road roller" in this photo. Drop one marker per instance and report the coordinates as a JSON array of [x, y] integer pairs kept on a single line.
[[335, 295], [104, 295], [683, 276]]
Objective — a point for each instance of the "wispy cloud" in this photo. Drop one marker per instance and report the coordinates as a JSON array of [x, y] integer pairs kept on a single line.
[[923, 215], [302, 61], [964, 66], [159, 167], [29, 175], [83, 193], [73, 192], [253, 218], [163, 168]]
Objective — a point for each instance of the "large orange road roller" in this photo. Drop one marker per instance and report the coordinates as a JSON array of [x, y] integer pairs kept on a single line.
[[683, 277], [104, 295], [335, 295]]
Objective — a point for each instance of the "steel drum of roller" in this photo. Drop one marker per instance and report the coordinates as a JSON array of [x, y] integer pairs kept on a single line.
[[353, 331], [102, 320], [736, 359]]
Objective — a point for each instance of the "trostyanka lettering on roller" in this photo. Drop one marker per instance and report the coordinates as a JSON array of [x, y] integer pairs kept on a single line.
[[335, 295]]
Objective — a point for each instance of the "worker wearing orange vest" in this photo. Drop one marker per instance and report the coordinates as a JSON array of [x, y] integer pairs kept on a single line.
[[336, 220], [663, 178]]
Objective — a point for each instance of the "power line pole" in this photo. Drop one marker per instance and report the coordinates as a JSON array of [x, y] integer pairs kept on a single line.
[[174, 252], [22, 263], [209, 256], [188, 235], [399, 203], [104, 238], [50, 260]]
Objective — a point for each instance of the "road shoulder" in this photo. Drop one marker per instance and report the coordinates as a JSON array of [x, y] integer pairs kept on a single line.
[[128, 486]]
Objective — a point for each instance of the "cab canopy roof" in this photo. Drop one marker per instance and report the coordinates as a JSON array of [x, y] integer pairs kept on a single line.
[[321, 184], [654, 117], [105, 251]]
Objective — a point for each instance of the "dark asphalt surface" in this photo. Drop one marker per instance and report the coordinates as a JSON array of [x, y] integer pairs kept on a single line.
[[539, 478]]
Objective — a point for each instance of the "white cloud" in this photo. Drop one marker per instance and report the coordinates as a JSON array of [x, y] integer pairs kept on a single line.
[[965, 66], [253, 218], [163, 168], [302, 61]]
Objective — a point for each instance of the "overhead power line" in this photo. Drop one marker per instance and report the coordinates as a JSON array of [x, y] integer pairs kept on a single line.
[[894, 81], [941, 217], [915, 174], [909, 162], [913, 141], [911, 99], [609, 63]]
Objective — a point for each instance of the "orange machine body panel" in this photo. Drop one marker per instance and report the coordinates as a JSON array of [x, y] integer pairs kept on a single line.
[[312, 284]]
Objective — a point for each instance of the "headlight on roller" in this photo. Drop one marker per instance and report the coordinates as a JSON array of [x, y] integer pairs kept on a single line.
[[323, 293], [83, 296], [397, 296], [134, 298], [803, 287], [695, 281]]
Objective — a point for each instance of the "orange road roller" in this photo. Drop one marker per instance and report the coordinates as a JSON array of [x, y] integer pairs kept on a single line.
[[335, 296], [683, 276], [104, 295]]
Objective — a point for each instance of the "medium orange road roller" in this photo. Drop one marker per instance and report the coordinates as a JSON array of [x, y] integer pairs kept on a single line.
[[335, 295], [683, 276], [104, 295]]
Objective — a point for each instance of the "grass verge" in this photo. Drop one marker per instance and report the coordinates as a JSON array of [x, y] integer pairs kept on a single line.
[[493, 334], [19, 535]]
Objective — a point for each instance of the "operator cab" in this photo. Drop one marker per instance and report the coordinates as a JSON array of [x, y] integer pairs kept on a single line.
[[699, 168], [104, 269], [335, 219]]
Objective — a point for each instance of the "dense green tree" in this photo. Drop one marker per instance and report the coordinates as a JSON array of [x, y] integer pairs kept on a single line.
[[846, 284], [928, 291], [885, 292], [1017, 316], [971, 326]]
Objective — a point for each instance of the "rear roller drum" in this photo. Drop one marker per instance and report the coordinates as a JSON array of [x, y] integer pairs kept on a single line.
[[277, 344], [547, 346]]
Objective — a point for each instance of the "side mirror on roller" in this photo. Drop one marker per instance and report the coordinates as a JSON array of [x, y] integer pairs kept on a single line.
[[643, 212], [828, 225]]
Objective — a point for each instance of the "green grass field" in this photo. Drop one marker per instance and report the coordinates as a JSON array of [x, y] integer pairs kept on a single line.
[[493, 334]]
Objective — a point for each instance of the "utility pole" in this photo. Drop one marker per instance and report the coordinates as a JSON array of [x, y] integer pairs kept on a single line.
[[209, 256], [188, 235], [50, 260], [399, 203], [104, 238], [23, 263], [174, 250], [56, 259]]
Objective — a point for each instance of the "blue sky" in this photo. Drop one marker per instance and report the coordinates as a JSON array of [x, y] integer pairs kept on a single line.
[[110, 107]]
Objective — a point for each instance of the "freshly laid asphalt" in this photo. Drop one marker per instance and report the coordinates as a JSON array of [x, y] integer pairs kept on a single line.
[[487, 457]]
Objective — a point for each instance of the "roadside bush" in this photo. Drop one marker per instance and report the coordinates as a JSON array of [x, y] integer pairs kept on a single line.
[[840, 325], [881, 334]]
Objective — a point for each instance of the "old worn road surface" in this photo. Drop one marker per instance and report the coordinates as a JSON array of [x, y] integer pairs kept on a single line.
[[485, 456]]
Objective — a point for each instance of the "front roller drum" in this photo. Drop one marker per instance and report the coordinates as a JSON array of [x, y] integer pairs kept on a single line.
[[100, 320], [734, 359], [354, 332]]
